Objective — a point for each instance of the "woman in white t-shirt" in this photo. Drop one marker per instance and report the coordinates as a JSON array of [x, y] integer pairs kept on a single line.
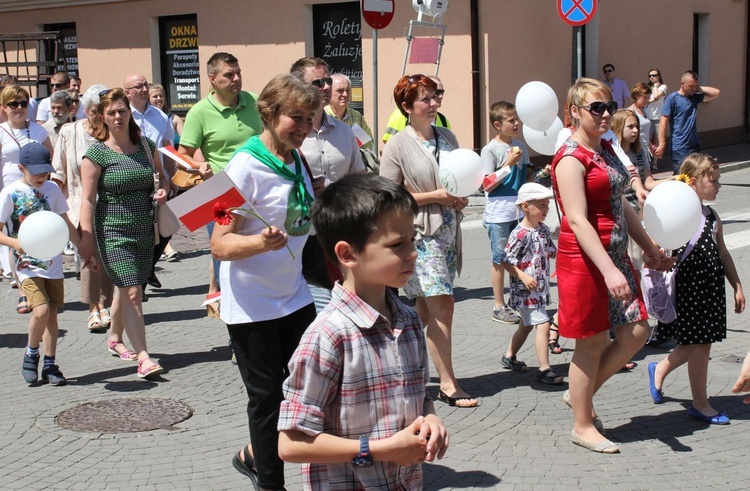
[[16, 132], [655, 102], [265, 301]]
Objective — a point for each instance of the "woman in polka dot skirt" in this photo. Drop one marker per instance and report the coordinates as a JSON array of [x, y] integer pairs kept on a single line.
[[701, 298]]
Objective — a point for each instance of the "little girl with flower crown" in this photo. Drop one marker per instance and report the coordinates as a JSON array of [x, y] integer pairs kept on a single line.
[[700, 282]]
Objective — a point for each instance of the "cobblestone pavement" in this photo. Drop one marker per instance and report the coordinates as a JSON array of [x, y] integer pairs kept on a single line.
[[517, 439]]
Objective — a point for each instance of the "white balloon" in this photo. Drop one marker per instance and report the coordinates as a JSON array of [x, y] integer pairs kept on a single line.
[[543, 142], [461, 172], [43, 235], [536, 105], [672, 214]]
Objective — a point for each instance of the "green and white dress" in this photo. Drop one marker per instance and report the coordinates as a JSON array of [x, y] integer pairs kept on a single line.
[[124, 215]]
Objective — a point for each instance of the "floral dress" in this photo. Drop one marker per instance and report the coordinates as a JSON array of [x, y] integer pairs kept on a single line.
[[586, 307]]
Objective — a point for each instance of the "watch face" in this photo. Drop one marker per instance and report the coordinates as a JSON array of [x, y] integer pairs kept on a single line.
[[362, 462]]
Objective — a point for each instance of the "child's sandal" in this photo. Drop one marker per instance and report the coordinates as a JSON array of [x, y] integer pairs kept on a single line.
[[513, 364], [554, 344]]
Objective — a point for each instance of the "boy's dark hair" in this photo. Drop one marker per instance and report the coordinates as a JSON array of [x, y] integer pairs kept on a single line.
[[350, 208], [499, 111]]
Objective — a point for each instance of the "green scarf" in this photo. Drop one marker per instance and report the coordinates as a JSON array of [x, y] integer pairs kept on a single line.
[[298, 207]]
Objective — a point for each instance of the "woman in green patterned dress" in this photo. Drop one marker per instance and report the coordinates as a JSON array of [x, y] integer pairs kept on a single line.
[[118, 170]]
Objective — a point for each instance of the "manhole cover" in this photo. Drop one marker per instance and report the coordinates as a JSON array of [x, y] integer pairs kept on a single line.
[[124, 415]]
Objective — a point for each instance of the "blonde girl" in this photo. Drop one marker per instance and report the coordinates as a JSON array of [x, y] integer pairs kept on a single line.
[[700, 281]]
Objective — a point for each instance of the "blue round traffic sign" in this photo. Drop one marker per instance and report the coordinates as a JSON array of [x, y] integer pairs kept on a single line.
[[577, 12]]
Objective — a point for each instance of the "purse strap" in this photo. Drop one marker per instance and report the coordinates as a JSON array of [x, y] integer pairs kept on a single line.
[[11, 135], [694, 240], [147, 149]]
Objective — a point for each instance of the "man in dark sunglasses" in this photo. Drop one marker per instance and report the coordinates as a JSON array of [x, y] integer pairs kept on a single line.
[[331, 150], [58, 81], [620, 91]]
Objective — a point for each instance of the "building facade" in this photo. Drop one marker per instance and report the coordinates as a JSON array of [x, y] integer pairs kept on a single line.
[[491, 48]]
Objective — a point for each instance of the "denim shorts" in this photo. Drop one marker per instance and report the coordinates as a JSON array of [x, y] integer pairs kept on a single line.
[[533, 316], [498, 234]]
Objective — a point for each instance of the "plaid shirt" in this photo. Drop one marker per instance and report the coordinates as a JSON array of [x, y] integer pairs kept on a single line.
[[356, 374], [352, 117]]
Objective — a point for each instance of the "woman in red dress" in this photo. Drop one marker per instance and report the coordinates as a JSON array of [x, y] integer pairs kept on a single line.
[[596, 281]]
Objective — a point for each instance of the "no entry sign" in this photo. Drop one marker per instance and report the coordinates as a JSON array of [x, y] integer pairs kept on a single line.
[[377, 13], [576, 12]]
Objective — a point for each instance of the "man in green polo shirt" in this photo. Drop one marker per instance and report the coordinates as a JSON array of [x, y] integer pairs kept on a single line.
[[218, 125], [224, 120]]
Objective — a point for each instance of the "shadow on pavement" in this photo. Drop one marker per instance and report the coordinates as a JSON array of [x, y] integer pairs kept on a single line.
[[437, 476], [168, 361]]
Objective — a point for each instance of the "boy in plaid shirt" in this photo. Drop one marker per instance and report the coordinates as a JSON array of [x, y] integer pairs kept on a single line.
[[356, 408]]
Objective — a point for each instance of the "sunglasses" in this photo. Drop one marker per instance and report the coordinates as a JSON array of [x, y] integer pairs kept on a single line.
[[15, 104], [439, 92], [597, 108], [105, 92], [653, 75], [416, 78], [608, 71], [322, 82], [142, 86], [54, 85]]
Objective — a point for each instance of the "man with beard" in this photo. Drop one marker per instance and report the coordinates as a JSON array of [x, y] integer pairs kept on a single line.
[[59, 109]]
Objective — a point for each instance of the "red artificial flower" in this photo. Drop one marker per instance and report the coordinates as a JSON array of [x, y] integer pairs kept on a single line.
[[222, 215]]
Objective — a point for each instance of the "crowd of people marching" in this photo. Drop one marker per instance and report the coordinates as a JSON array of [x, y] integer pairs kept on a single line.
[[306, 274]]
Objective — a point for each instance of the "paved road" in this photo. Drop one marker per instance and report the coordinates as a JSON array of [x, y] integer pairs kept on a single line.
[[517, 439]]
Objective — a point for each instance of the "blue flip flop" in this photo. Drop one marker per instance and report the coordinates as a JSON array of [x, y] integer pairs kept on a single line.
[[656, 394]]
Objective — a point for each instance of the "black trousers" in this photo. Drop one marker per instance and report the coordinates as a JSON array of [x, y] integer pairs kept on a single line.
[[263, 350]]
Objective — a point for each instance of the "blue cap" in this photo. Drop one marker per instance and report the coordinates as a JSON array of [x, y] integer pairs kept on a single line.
[[36, 159]]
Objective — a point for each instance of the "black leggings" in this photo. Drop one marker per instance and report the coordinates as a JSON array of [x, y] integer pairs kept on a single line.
[[263, 350]]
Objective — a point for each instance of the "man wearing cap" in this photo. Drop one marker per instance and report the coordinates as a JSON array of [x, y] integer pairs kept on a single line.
[[41, 280]]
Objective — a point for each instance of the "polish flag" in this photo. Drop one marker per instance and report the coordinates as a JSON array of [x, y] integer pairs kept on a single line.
[[183, 161], [362, 137], [195, 207]]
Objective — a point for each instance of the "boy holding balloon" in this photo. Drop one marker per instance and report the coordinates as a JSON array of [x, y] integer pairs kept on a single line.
[[502, 156], [39, 269]]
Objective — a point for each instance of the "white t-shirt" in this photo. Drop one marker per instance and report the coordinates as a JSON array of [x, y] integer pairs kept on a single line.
[[11, 147], [269, 285], [503, 209], [653, 108], [43, 111], [19, 200]]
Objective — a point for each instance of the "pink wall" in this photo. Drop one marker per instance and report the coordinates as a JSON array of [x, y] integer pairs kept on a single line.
[[520, 40]]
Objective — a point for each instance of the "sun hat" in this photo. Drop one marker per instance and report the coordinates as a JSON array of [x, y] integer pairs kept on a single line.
[[532, 191]]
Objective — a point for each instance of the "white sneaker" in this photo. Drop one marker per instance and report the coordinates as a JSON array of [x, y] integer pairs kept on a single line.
[[69, 251]]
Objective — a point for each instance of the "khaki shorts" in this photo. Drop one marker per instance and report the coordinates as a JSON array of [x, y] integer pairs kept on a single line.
[[40, 291]]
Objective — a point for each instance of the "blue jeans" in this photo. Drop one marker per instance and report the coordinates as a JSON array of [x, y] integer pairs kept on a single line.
[[499, 234]]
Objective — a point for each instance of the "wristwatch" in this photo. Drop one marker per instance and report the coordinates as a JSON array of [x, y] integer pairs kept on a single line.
[[363, 458]]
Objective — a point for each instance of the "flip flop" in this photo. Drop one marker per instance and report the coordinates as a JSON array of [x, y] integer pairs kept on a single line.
[[453, 401], [23, 305], [246, 468]]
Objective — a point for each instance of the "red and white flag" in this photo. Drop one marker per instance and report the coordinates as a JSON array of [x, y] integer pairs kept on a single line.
[[362, 137], [183, 161], [195, 207]]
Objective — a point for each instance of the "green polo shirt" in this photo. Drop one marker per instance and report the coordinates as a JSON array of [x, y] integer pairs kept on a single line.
[[220, 130]]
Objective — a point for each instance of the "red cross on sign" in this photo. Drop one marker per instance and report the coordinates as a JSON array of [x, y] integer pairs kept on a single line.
[[377, 13], [577, 12]]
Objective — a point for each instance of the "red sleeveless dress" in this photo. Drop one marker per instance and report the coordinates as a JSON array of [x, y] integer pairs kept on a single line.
[[585, 307]]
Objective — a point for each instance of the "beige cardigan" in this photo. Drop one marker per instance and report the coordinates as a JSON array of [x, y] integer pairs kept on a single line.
[[408, 163], [71, 146]]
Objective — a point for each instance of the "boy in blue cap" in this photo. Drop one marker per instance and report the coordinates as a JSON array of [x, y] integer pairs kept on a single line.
[[41, 281]]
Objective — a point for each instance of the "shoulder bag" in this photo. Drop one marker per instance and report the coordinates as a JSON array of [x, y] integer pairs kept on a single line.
[[658, 287], [166, 223]]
